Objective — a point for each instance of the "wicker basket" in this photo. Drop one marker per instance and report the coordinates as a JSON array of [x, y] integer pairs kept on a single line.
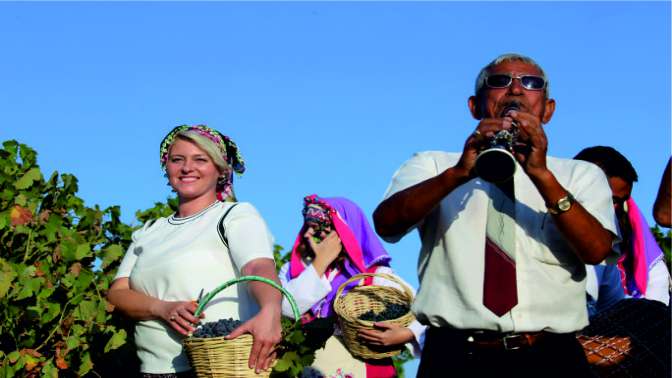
[[217, 357], [630, 339], [361, 299]]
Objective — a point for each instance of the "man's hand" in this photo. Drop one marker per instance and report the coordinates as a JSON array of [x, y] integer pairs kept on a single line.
[[267, 333], [485, 131], [389, 335], [531, 133]]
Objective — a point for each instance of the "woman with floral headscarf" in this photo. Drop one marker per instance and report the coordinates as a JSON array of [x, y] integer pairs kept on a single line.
[[209, 240], [335, 243]]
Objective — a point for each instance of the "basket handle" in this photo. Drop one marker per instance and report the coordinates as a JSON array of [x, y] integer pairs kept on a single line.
[[360, 276], [208, 297]]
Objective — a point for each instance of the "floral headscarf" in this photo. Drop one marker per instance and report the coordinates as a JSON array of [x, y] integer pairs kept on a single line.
[[226, 147], [364, 250]]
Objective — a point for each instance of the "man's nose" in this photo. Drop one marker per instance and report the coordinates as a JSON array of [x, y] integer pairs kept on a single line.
[[516, 86]]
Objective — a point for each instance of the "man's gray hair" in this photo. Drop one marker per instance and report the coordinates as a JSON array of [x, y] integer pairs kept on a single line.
[[480, 80]]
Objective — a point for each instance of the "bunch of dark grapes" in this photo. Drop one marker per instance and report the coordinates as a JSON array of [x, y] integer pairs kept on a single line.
[[391, 311], [220, 328]]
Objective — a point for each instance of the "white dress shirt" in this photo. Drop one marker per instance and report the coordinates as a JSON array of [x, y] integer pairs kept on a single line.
[[550, 277]]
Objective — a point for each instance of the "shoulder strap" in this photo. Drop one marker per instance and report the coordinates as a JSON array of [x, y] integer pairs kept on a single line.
[[149, 223], [220, 226]]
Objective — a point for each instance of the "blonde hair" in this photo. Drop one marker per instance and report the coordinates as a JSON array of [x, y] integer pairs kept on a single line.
[[210, 148]]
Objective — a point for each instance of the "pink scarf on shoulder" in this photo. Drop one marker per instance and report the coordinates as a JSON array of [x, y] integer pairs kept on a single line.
[[645, 253]]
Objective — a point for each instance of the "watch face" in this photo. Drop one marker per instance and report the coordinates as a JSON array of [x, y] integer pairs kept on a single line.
[[564, 204]]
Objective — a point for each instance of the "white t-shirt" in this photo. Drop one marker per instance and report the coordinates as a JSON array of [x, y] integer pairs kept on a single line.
[[550, 277], [172, 259]]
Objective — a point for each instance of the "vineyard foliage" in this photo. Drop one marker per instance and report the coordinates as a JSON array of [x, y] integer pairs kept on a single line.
[[57, 260]]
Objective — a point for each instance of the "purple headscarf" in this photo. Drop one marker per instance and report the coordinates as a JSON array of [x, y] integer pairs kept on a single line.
[[364, 250]]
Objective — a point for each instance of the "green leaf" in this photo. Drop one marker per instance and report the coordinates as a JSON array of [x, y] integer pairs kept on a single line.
[[4, 219], [28, 155], [86, 365], [12, 147], [28, 178], [7, 194], [118, 339], [296, 337], [69, 183], [34, 312], [283, 364], [21, 200], [111, 254], [45, 293], [68, 251], [14, 356], [83, 280], [86, 310], [7, 275], [83, 250], [72, 342], [53, 310], [51, 228], [49, 370], [20, 362], [29, 287]]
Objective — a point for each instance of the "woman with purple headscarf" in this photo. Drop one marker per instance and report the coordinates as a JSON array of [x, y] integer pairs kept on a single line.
[[335, 243]]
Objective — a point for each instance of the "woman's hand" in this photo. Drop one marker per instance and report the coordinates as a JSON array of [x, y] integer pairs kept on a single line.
[[266, 331], [390, 334], [179, 315], [139, 306], [326, 251]]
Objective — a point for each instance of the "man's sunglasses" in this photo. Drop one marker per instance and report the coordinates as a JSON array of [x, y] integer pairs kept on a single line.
[[529, 82]]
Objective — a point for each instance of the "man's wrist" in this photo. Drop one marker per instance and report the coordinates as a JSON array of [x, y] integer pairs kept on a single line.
[[542, 178], [457, 173]]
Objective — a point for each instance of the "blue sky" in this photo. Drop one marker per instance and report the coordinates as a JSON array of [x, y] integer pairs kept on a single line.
[[326, 98]]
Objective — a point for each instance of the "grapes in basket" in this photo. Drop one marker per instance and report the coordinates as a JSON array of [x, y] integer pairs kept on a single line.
[[220, 328], [391, 311]]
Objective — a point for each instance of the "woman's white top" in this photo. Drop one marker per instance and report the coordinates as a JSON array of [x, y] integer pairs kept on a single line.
[[172, 259]]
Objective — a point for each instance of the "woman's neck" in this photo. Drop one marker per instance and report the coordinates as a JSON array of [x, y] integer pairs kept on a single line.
[[189, 207]]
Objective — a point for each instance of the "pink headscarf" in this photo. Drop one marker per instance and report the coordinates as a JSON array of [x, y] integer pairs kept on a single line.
[[645, 253]]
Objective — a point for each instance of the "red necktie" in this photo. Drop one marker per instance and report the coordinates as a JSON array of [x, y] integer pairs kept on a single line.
[[500, 293]]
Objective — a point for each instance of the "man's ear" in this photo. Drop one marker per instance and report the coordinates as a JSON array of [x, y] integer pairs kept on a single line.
[[549, 109], [475, 107]]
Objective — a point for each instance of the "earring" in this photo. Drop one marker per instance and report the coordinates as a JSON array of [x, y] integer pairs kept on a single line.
[[223, 179]]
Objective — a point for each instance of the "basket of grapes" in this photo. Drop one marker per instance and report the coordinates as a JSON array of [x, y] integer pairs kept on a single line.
[[210, 354], [362, 306]]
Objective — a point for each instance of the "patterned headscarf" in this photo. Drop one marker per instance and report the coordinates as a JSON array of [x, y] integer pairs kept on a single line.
[[364, 250], [316, 214], [225, 145]]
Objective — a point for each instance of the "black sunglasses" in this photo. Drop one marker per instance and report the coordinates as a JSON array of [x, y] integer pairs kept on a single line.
[[529, 82]]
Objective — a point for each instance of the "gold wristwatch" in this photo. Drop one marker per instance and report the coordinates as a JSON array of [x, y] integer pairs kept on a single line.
[[563, 204]]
